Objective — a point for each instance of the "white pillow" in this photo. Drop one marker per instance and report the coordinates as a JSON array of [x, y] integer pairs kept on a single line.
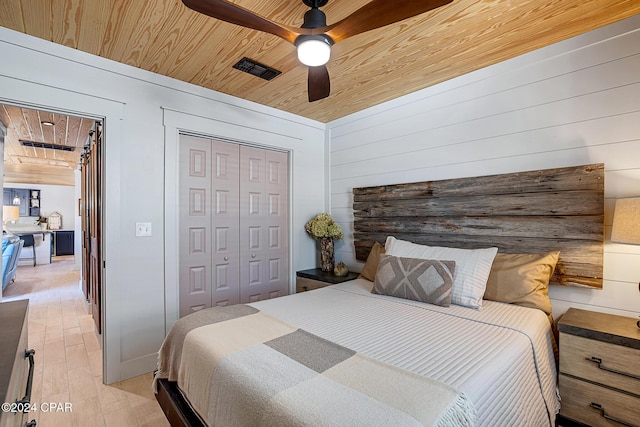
[[472, 267]]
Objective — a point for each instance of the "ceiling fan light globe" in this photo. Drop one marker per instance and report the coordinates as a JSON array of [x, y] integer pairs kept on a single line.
[[314, 52]]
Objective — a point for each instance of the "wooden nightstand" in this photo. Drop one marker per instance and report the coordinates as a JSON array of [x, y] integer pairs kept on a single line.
[[315, 278], [599, 369]]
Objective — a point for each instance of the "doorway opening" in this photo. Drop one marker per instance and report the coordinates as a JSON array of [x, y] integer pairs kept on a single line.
[[53, 179]]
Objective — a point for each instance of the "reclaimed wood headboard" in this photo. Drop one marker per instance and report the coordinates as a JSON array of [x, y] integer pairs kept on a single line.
[[526, 212]]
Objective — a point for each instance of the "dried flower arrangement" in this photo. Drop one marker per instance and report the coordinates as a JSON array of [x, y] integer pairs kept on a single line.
[[324, 226]]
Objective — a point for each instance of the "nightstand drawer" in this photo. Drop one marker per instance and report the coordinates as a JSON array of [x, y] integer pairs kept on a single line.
[[596, 405], [601, 362], [304, 284]]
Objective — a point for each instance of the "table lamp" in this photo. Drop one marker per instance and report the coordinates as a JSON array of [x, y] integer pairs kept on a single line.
[[626, 224], [10, 213]]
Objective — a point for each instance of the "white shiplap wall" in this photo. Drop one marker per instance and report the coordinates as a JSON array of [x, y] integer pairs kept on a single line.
[[572, 103]]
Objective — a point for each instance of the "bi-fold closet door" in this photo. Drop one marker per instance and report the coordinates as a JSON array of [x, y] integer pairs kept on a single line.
[[233, 216]]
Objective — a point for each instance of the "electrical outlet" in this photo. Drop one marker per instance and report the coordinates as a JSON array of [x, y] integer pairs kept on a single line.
[[143, 229]]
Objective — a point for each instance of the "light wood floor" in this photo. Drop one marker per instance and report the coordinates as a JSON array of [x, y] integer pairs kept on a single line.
[[69, 359]]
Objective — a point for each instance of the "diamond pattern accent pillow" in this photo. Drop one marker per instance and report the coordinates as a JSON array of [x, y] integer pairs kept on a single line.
[[472, 267], [424, 280]]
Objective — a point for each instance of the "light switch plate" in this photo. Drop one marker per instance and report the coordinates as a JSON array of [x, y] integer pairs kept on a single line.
[[143, 229]]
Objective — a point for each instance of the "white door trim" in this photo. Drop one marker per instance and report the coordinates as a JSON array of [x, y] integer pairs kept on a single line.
[[31, 95], [176, 123]]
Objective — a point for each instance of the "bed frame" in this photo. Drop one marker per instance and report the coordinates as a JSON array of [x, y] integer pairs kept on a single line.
[[527, 212], [176, 408]]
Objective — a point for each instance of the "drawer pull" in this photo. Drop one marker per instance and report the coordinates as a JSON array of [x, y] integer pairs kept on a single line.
[[27, 396], [31, 423], [615, 371], [609, 417]]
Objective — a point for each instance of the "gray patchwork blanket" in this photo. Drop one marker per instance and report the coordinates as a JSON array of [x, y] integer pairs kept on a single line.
[[239, 366]]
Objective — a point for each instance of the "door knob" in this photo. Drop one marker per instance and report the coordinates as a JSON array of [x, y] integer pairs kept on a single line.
[[253, 255]]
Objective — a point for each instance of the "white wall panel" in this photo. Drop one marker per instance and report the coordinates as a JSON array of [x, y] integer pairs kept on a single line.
[[563, 58], [573, 103], [622, 183], [561, 124], [53, 198]]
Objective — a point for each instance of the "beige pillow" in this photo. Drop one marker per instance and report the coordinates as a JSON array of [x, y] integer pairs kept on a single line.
[[424, 280], [371, 265], [522, 279]]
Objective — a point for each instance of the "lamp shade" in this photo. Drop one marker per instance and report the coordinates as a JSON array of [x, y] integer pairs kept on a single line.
[[10, 213], [314, 50], [626, 221]]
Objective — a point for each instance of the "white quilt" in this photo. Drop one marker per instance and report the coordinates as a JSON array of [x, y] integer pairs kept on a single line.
[[501, 357]]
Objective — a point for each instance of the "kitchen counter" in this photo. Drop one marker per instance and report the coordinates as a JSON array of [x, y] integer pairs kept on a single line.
[[43, 244]]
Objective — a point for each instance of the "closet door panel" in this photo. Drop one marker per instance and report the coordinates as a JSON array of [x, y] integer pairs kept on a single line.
[[277, 255], [233, 224], [264, 185], [194, 224], [225, 223], [253, 224]]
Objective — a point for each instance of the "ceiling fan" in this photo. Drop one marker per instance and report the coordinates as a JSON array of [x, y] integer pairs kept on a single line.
[[315, 38]]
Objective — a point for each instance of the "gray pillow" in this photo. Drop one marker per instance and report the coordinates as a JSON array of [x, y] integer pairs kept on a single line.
[[424, 280]]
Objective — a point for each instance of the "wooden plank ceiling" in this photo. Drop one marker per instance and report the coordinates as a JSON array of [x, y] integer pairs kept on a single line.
[[38, 165], [165, 37]]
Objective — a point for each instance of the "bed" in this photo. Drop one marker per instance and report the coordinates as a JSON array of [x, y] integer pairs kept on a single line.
[[504, 355], [354, 354]]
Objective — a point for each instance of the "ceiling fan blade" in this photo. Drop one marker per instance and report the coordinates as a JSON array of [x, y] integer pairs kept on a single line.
[[378, 13], [235, 14], [319, 85]]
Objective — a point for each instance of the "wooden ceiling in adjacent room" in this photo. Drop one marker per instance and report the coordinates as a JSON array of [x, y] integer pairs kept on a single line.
[[165, 37], [36, 163]]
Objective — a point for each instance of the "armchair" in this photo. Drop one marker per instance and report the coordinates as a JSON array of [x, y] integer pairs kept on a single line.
[[11, 247]]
